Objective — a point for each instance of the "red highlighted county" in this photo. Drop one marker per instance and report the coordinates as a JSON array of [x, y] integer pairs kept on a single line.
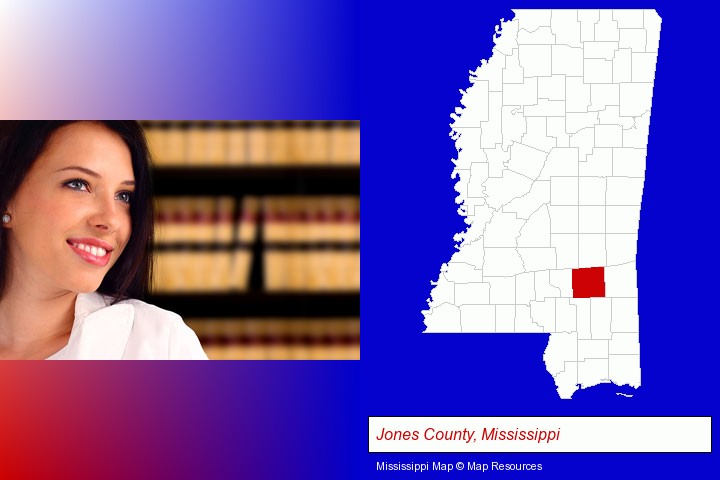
[[588, 282]]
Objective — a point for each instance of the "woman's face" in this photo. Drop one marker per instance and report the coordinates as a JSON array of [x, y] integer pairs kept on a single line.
[[71, 215]]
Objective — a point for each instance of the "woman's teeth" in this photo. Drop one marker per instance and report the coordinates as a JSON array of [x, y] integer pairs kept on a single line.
[[96, 251]]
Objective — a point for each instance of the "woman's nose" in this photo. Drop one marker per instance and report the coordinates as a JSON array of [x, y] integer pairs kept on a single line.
[[106, 214]]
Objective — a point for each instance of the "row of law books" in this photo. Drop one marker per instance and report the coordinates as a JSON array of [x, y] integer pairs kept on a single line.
[[253, 143], [282, 219], [303, 244], [197, 271], [279, 339]]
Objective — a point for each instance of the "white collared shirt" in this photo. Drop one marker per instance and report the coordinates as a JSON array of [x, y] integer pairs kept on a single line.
[[128, 330]]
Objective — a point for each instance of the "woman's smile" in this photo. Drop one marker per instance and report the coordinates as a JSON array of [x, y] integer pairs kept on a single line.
[[92, 250]]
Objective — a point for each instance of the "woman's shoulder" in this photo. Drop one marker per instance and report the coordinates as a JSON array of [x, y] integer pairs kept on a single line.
[[152, 313], [155, 330], [145, 314]]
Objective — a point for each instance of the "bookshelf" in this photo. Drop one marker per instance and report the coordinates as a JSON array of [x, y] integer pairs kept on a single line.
[[262, 304], [258, 224], [254, 180]]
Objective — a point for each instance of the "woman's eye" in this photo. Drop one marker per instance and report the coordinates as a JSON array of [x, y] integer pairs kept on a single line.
[[125, 197], [80, 185]]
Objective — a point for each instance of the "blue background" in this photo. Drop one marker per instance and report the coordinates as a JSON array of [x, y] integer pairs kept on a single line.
[[397, 68]]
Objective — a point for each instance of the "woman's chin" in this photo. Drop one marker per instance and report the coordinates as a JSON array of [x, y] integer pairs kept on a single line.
[[87, 286]]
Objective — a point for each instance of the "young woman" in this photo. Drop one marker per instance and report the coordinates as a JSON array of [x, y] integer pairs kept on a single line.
[[75, 246]]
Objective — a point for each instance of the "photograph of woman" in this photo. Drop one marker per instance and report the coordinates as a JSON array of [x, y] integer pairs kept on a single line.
[[75, 237]]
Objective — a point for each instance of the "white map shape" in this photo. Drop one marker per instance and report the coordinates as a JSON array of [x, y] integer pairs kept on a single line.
[[552, 141]]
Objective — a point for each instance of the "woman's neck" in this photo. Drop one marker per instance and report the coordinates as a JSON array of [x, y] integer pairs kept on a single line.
[[34, 325]]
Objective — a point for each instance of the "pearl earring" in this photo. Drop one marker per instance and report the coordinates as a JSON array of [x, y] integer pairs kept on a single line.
[[6, 218]]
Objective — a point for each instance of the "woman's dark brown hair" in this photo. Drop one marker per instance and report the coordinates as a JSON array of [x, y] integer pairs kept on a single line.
[[21, 142]]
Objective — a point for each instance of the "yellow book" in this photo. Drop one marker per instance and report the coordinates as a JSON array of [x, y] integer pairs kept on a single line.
[[240, 269], [237, 144], [156, 136], [347, 220], [248, 219], [297, 270], [215, 344], [294, 219], [275, 278], [217, 143], [298, 143], [258, 143], [338, 148], [162, 219], [322, 226], [223, 216], [211, 271], [197, 143], [271, 229], [352, 273], [204, 222], [279, 143], [167, 272], [175, 144], [182, 219], [353, 145], [319, 143]]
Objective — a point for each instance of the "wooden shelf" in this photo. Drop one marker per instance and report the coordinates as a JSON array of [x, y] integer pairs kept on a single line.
[[253, 180], [259, 304]]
